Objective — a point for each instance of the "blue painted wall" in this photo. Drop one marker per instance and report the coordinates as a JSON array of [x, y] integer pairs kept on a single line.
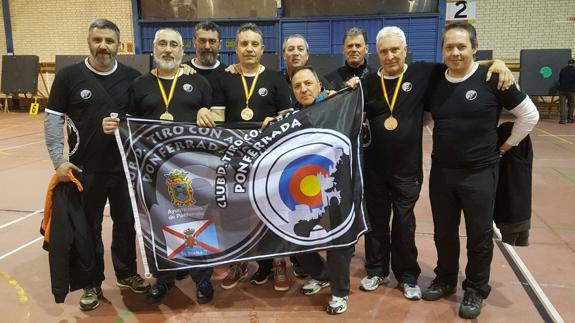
[[324, 34]]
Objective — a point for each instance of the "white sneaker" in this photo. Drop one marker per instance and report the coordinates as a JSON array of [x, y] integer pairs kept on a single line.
[[313, 286], [337, 305], [411, 292], [370, 283]]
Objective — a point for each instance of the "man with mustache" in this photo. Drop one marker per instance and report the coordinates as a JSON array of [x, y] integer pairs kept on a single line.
[[250, 95], [355, 49], [149, 99], [83, 94], [207, 42]]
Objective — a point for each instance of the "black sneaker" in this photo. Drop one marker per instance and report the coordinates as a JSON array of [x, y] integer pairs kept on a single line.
[[437, 290], [298, 271], [260, 278], [157, 292], [471, 306], [89, 299], [204, 291]]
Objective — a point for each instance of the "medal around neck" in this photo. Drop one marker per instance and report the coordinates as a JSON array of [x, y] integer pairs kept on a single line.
[[390, 123], [167, 116], [247, 114]]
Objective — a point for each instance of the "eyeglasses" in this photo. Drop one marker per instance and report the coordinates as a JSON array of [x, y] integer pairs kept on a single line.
[[163, 44], [203, 41]]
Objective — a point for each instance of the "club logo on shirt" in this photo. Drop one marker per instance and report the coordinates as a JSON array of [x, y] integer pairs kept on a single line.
[[263, 91], [406, 86], [471, 95], [85, 94], [188, 87]]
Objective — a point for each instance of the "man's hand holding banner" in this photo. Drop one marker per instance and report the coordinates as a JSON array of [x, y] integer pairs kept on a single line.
[[204, 197]]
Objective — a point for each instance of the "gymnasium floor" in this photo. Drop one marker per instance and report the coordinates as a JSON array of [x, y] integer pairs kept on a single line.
[[25, 294]]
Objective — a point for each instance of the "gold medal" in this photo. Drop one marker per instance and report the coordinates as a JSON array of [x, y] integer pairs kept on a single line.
[[247, 114], [167, 99], [167, 116], [390, 123]]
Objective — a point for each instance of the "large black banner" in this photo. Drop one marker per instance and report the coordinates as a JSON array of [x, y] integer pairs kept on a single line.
[[204, 197]]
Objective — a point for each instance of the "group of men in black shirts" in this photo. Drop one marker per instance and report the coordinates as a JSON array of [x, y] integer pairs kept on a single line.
[[464, 106]]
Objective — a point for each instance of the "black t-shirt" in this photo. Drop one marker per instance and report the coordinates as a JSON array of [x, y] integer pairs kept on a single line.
[[465, 116], [80, 94], [397, 152], [210, 73], [338, 77], [271, 95], [192, 93], [567, 79]]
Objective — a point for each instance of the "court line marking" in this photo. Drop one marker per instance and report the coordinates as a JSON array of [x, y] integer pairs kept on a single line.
[[563, 176], [531, 282], [21, 247], [21, 219], [554, 136], [19, 146]]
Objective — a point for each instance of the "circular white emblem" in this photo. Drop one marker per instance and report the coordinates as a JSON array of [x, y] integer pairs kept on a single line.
[[471, 95], [298, 187], [188, 87], [85, 94], [406, 86], [263, 91]]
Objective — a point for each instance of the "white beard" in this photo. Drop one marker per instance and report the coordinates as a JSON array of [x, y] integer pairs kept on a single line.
[[167, 65]]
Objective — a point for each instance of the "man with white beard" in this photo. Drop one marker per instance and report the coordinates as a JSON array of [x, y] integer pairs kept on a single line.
[[83, 94], [167, 93]]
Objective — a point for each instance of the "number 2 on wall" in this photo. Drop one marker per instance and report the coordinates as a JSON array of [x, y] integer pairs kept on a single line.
[[460, 14]]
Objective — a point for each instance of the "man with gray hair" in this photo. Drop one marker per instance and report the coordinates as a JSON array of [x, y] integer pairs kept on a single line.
[[393, 161], [83, 94], [355, 50], [296, 53], [149, 100]]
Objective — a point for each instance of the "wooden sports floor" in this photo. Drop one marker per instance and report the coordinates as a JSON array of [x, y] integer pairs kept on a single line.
[[530, 284]]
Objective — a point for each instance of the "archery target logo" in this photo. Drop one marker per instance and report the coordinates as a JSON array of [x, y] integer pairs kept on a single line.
[[301, 186]]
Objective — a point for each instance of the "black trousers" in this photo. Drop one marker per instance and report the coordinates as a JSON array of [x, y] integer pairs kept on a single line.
[[113, 187], [197, 274], [336, 270], [382, 194], [265, 266], [473, 192]]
